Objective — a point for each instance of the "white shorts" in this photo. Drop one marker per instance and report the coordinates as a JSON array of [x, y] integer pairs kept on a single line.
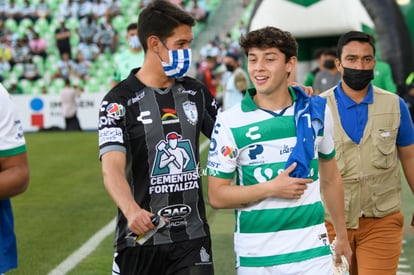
[[320, 266]]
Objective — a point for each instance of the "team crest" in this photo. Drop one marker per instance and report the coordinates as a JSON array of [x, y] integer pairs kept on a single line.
[[190, 110]]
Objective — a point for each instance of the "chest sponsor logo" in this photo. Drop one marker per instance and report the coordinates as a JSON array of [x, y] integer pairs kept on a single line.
[[190, 110], [175, 214], [169, 116], [286, 149], [174, 168], [262, 175], [255, 154]]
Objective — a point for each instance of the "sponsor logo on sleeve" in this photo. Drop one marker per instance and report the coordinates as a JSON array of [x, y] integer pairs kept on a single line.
[[107, 135], [115, 111]]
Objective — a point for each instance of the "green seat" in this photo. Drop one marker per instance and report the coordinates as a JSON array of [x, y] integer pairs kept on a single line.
[[41, 26], [26, 86], [11, 24], [119, 23], [92, 86], [26, 22]]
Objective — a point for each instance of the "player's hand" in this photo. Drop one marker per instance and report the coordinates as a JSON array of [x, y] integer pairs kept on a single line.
[[307, 89], [284, 186], [139, 220], [342, 248]]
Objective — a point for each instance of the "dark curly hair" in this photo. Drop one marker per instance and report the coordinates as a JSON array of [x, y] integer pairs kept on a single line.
[[270, 37]]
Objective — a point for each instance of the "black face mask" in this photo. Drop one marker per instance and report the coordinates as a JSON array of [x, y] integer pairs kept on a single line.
[[357, 79], [230, 68], [329, 64]]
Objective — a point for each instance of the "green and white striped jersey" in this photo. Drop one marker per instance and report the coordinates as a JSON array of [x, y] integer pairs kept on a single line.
[[253, 146]]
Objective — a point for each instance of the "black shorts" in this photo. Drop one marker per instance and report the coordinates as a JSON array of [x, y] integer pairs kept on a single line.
[[192, 257]]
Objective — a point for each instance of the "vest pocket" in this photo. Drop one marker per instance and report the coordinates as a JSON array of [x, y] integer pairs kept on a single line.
[[385, 201], [384, 155]]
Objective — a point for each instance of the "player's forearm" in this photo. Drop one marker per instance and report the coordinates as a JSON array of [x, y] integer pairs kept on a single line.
[[334, 199], [14, 175], [13, 181], [233, 196]]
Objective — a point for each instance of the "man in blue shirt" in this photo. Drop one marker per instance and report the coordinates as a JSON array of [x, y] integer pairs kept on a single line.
[[373, 135]]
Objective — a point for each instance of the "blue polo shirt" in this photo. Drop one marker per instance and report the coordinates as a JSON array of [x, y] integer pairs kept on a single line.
[[354, 117], [8, 249]]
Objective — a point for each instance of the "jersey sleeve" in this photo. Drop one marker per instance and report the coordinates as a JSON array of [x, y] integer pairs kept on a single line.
[[210, 113], [12, 141], [405, 135], [111, 128], [222, 157], [326, 146]]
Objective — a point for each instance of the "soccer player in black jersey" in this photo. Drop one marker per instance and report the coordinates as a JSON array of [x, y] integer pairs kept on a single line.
[[149, 129]]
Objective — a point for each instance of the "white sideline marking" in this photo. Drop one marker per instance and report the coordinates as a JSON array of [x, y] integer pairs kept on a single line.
[[87, 248]]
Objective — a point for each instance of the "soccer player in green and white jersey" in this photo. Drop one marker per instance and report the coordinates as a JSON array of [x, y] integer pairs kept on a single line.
[[278, 145], [130, 58]]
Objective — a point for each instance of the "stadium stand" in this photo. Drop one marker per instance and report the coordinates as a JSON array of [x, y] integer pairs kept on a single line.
[[101, 69]]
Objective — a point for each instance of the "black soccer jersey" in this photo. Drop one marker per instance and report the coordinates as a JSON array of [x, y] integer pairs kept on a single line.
[[159, 131]]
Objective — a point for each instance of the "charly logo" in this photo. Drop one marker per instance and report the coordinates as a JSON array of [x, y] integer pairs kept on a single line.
[[144, 117], [252, 133]]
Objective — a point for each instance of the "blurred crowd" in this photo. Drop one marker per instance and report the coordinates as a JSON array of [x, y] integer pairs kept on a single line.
[[45, 42]]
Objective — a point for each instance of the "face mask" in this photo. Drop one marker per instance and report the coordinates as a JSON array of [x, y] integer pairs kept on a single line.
[[180, 63], [229, 68], [357, 79], [329, 64], [134, 42]]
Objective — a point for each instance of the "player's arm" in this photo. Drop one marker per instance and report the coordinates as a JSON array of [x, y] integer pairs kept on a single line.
[[333, 193], [14, 175], [113, 171], [406, 155], [222, 194]]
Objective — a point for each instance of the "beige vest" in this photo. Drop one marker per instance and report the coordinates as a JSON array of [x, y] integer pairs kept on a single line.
[[370, 170]]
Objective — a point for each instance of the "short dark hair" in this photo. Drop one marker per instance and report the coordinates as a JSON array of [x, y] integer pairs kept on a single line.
[[330, 51], [353, 36], [270, 37], [132, 26], [160, 18], [233, 55]]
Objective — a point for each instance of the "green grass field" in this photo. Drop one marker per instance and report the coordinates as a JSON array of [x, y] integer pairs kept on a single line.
[[66, 203]]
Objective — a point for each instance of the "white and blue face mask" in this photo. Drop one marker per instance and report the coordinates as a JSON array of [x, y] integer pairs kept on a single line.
[[180, 62], [134, 42]]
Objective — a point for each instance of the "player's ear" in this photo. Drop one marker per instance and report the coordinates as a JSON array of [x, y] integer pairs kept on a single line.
[[154, 44]]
